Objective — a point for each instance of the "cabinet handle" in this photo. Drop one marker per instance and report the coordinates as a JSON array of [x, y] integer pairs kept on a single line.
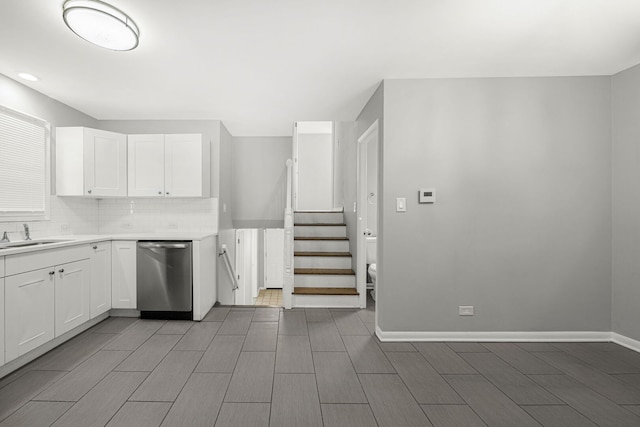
[[168, 193], [61, 271], [51, 273], [95, 247], [160, 192], [89, 191]]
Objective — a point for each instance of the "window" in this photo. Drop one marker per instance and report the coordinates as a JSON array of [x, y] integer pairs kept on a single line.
[[24, 167]]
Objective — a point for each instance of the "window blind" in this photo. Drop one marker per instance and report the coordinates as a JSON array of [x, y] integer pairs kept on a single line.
[[23, 152]]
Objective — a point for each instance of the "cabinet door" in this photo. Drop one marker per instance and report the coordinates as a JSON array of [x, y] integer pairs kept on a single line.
[[145, 165], [72, 298], [1, 322], [183, 165], [100, 278], [105, 163], [29, 308], [123, 277]]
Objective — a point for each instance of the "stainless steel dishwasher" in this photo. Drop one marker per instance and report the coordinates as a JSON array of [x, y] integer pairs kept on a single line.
[[165, 280]]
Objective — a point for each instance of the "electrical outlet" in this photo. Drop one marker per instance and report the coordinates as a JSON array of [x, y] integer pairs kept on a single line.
[[173, 225], [465, 310], [126, 224]]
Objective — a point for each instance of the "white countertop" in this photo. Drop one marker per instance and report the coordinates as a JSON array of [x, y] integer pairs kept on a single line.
[[73, 240]]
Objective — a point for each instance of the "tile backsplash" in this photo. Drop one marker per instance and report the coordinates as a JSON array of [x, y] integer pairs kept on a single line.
[[148, 215], [71, 215]]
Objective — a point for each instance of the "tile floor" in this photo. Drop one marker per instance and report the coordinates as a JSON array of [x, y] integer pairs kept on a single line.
[[263, 366], [269, 297]]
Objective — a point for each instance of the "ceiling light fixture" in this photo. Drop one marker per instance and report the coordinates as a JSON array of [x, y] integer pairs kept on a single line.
[[101, 24], [28, 76]]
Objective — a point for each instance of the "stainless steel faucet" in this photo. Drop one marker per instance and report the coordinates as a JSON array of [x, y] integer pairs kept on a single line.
[[26, 232], [5, 238]]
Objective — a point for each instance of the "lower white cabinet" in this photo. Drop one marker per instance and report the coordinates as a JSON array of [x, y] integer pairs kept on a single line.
[[123, 274], [72, 295], [2, 320], [29, 311], [100, 278]]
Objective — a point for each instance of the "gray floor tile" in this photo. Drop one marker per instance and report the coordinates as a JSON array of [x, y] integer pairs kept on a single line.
[[558, 416], [607, 362], [349, 323], [452, 416], [266, 315], [175, 327], [199, 336], [607, 385], [634, 409], [199, 401], [113, 325], [391, 402], [149, 354], [324, 336], [294, 355], [366, 356], [16, 374], [295, 401], [520, 359], [217, 314], [262, 336], [140, 414], [252, 378], [318, 315], [395, 346], [337, 380], [251, 309], [467, 347], [222, 354], [293, 323], [78, 382], [633, 379], [73, 352], [511, 382], [424, 383], [37, 414], [589, 403], [493, 406], [236, 323], [607, 346], [443, 359], [23, 389], [98, 406], [166, 381], [347, 415], [135, 336], [244, 414], [537, 346]]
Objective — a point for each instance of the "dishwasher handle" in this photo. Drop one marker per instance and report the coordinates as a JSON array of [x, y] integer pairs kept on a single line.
[[163, 245]]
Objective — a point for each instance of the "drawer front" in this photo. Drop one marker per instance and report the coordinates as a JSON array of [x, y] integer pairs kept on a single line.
[[21, 263]]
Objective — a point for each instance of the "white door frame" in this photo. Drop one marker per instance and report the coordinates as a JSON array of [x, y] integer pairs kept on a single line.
[[371, 134]]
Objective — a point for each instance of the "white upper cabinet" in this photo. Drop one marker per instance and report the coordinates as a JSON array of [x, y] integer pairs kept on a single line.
[[146, 165], [176, 165], [90, 162]]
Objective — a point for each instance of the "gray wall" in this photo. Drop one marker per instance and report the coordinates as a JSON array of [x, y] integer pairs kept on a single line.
[[626, 202], [226, 230], [522, 224], [260, 181]]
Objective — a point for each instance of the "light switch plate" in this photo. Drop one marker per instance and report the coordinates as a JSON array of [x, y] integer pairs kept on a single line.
[[465, 310], [401, 204]]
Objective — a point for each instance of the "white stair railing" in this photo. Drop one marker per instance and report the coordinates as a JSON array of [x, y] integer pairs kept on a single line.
[[232, 274], [287, 288]]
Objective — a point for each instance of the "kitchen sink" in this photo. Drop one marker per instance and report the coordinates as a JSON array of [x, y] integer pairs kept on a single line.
[[28, 243]]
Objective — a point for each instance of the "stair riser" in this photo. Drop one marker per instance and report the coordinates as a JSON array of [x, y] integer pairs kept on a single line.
[[314, 218], [324, 280], [326, 300], [321, 245], [322, 262], [320, 231]]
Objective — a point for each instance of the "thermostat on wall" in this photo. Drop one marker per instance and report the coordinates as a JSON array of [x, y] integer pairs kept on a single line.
[[427, 195]]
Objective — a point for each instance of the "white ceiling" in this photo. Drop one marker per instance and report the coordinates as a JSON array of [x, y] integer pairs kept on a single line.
[[259, 65]]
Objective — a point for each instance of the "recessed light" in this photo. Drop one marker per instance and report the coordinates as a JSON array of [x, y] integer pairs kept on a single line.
[[101, 24], [28, 76]]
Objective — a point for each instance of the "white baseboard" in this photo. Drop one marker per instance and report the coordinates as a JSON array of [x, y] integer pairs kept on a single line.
[[626, 341], [549, 336]]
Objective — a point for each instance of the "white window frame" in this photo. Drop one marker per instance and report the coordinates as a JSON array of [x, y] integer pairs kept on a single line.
[[46, 214]]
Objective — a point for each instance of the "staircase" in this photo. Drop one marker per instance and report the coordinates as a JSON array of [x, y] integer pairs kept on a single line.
[[323, 276]]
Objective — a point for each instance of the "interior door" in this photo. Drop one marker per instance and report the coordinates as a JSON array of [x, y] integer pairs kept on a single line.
[[314, 166], [273, 258]]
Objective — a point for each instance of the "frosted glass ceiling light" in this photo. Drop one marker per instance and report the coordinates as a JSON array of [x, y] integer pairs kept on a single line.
[[101, 24]]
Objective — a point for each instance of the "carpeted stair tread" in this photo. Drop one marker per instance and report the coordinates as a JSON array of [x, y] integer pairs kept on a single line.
[[329, 271], [324, 291], [320, 238], [319, 224], [332, 254]]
